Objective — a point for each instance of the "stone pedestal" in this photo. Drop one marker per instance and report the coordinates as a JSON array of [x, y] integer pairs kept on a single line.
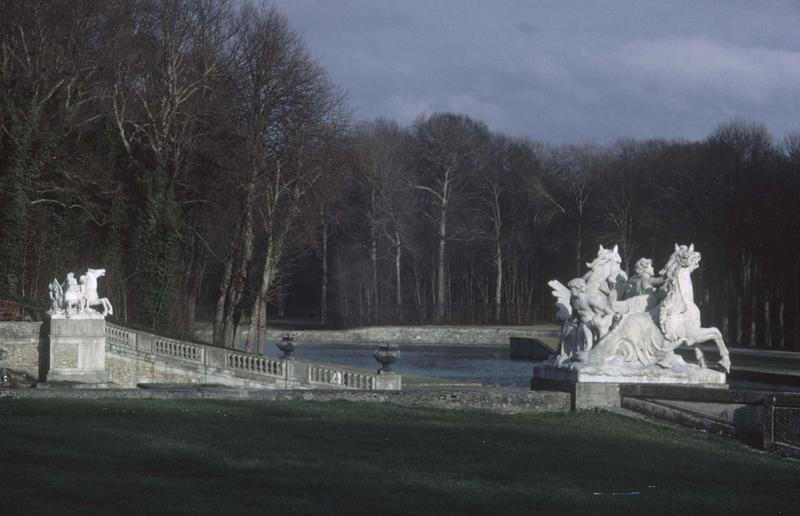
[[77, 350], [388, 381], [685, 374], [591, 387]]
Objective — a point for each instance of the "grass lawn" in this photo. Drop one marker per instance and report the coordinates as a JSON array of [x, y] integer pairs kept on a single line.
[[223, 457]]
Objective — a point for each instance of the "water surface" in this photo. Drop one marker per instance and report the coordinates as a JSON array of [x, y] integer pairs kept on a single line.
[[489, 365]]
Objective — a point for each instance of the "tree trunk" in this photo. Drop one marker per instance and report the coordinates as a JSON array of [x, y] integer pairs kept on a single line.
[[498, 285], [237, 286], [194, 292], [262, 328], [398, 250], [440, 280], [223, 294], [498, 256], [323, 298], [268, 274], [578, 246], [373, 256], [252, 332]]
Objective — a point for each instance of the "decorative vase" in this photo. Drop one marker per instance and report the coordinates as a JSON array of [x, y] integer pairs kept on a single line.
[[386, 354], [286, 345]]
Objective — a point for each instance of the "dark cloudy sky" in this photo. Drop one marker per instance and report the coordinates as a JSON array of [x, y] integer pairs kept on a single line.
[[564, 71]]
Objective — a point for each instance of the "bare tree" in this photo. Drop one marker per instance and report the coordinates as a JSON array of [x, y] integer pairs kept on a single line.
[[383, 150], [157, 107], [288, 108], [450, 149], [570, 171]]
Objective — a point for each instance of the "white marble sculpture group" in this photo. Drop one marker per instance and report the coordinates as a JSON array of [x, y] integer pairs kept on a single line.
[[614, 325], [76, 298]]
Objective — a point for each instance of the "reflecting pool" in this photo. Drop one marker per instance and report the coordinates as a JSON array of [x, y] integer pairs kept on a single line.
[[489, 365]]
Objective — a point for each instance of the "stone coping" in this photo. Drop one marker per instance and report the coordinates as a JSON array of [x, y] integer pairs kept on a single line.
[[490, 336], [688, 374]]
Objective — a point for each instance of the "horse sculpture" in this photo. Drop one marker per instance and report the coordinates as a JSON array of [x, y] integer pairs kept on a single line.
[[679, 317], [68, 298], [76, 297], [590, 303], [89, 280], [648, 337]]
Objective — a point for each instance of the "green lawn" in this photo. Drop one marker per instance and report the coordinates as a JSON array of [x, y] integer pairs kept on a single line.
[[223, 457]]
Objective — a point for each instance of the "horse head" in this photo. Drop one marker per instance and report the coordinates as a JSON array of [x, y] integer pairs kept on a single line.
[[684, 257], [97, 273], [606, 264]]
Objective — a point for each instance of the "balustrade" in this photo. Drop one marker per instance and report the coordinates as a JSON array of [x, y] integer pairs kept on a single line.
[[330, 376], [238, 361], [177, 349], [253, 363], [120, 336]]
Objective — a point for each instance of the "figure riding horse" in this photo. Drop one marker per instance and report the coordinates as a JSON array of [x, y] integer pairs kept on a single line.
[[75, 297], [643, 334]]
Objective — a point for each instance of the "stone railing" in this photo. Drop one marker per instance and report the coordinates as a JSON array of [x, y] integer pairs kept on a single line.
[[177, 349], [119, 336], [325, 375], [210, 364], [254, 363]]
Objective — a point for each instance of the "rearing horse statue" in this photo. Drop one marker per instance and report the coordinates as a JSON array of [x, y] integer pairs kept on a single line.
[[679, 317], [651, 337], [89, 281]]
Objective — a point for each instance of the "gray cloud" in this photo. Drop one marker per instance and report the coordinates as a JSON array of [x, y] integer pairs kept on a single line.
[[561, 71], [526, 28]]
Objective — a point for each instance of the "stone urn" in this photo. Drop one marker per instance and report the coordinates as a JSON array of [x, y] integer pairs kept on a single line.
[[5, 379], [386, 354], [286, 345]]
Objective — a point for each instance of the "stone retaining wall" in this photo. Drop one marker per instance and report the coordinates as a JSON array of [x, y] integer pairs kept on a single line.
[[135, 357], [767, 420], [505, 402], [428, 335], [21, 346]]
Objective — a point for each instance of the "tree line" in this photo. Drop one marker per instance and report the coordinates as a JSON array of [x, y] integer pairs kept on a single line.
[[198, 151]]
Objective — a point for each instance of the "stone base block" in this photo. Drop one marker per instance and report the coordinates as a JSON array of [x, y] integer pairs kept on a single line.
[[77, 351], [388, 381], [591, 388], [687, 374], [587, 395], [78, 376]]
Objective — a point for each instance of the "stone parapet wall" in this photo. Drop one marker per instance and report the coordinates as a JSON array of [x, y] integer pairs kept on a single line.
[[20, 347], [135, 357], [500, 401], [427, 335]]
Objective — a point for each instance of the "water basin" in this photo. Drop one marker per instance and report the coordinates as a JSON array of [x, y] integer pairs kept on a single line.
[[488, 365]]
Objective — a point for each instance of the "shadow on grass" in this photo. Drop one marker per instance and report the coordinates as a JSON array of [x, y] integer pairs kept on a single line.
[[213, 457]]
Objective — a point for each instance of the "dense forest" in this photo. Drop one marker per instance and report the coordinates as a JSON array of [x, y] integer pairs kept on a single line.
[[198, 152]]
